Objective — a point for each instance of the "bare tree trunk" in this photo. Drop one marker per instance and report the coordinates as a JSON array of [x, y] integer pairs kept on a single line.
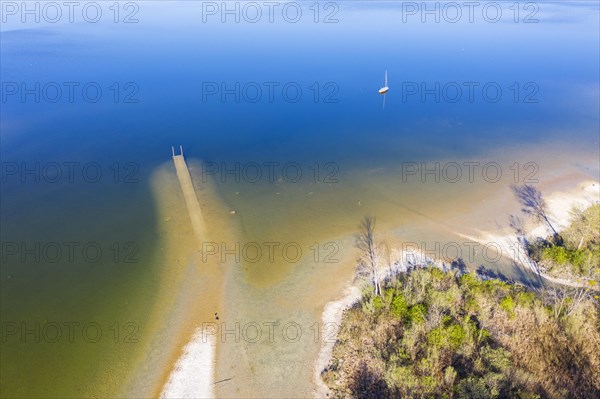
[[550, 224], [369, 262]]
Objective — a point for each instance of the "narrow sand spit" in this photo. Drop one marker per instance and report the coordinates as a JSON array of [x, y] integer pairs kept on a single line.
[[174, 362], [193, 375]]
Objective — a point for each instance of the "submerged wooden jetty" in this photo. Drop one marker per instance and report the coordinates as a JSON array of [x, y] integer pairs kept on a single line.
[[189, 194]]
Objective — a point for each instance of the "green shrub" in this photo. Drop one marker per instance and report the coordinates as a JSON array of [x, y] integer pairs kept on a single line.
[[437, 274], [496, 287], [525, 298], [579, 257], [417, 313], [399, 307], [377, 303], [497, 360], [473, 388], [456, 335], [556, 254], [468, 280], [483, 335], [388, 296], [450, 337], [508, 305]]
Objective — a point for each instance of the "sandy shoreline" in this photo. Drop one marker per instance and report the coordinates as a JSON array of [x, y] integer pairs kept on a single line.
[[559, 203], [193, 376], [332, 313]]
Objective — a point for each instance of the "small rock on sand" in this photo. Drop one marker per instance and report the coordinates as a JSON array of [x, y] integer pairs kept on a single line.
[[232, 212]]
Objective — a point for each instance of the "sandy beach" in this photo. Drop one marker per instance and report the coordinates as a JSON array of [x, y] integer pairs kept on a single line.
[[193, 376], [559, 204]]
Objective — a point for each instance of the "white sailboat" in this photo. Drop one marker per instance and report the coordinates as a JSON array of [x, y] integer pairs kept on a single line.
[[384, 89]]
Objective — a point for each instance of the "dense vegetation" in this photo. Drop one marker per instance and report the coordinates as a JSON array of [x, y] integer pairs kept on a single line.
[[451, 335], [575, 253]]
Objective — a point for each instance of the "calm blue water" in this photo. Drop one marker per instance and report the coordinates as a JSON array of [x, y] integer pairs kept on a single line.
[[171, 56], [170, 69]]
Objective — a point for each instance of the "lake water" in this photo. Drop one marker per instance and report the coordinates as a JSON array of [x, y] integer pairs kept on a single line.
[[282, 105]]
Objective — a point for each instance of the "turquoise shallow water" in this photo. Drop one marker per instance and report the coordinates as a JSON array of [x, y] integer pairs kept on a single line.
[[182, 76]]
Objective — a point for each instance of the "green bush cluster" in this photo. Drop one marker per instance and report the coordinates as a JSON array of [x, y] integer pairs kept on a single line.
[[576, 253], [435, 334], [508, 305], [447, 337], [578, 262]]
